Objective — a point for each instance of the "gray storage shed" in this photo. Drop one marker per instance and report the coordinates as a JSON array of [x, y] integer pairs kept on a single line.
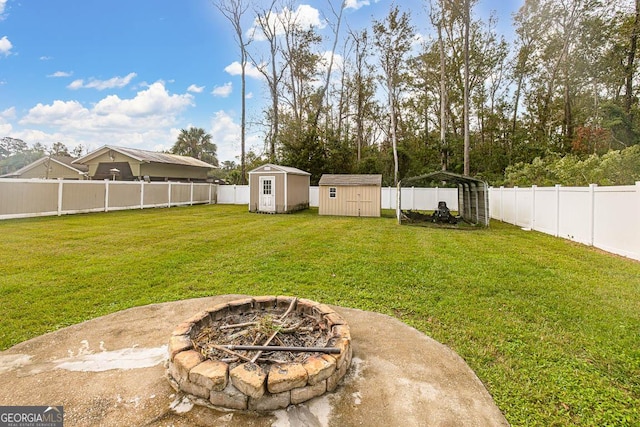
[[278, 189], [350, 195]]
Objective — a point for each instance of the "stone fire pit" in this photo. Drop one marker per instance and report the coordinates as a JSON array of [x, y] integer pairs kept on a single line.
[[208, 360]]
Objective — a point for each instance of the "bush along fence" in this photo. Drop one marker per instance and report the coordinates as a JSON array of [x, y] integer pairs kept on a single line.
[[21, 198], [604, 217]]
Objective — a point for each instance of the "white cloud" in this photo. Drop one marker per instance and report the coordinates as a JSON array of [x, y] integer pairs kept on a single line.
[[195, 89], [3, 4], [46, 58], [9, 113], [249, 95], [356, 4], [235, 69], [150, 109], [61, 74], [114, 82], [5, 46], [146, 120], [155, 100], [5, 127], [223, 91], [305, 16], [225, 133]]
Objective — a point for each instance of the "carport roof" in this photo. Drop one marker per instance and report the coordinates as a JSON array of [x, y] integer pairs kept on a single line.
[[445, 176]]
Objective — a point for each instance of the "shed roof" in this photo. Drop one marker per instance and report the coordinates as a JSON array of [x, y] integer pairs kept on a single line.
[[354, 180], [286, 169], [145, 156]]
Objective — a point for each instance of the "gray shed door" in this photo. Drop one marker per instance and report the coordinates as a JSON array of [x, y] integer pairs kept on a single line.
[[267, 194]]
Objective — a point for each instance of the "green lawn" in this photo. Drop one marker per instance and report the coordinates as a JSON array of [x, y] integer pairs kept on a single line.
[[551, 327]]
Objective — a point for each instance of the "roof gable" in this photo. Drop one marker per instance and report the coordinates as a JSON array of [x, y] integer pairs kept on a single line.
[[350, 179], [64, 161], [286, 169]]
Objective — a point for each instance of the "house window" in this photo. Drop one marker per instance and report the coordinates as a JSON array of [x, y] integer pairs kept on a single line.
[[332, 192]]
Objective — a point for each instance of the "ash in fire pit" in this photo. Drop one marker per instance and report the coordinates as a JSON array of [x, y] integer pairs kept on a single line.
[[261, 353]]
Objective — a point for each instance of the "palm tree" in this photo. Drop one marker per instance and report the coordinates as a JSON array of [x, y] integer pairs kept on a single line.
[[196, 143]]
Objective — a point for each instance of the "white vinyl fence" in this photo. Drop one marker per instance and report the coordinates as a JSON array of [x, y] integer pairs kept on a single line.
[[605, 217]]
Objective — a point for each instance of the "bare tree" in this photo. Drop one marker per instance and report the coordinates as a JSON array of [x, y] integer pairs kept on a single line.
[[268, 23], [234, 10]]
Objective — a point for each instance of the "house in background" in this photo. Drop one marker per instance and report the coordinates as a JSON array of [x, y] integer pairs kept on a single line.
[[278, 189], [350, 195], [129, 164], [51, 167]]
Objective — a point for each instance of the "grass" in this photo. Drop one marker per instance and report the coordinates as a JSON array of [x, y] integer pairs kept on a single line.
[[552, 328]]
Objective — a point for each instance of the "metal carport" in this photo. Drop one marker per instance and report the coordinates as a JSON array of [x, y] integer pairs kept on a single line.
[[473, 195]]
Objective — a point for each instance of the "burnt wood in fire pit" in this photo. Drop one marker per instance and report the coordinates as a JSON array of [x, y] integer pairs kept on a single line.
[[260, 353]]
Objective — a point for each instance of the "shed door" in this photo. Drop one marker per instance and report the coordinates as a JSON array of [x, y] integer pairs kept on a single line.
[[267, 194]]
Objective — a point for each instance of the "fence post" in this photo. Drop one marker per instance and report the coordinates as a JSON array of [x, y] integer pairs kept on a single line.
[[142, 194], [637, 217], [169, 194], [413, 198], [501, 202], [533, 207], [592, 212], [106, 195], [515, 205], [557, 233], [191, 195], [398, 201], [60, 184]]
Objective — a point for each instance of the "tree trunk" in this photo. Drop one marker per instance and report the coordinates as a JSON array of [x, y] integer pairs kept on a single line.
[[629, 69], [443, 98], [467, 24]]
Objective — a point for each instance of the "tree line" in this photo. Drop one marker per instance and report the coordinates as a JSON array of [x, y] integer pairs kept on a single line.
[[389, 99], [404, 98]]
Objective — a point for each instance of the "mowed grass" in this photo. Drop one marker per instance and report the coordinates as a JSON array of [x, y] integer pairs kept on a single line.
[[552, 328]]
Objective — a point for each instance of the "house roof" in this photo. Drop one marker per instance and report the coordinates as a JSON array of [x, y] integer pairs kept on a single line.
[[285, 169], [145, 156], [65, 161], [345, 179]]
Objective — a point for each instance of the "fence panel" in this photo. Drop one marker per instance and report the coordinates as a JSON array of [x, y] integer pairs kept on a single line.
[[615, 210], [574, 214], [83, 196], [605, 217], [124, 195], [545, 215], [24, 198]]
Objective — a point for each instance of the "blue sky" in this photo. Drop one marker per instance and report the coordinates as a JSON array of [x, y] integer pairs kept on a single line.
[[134, 72]]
